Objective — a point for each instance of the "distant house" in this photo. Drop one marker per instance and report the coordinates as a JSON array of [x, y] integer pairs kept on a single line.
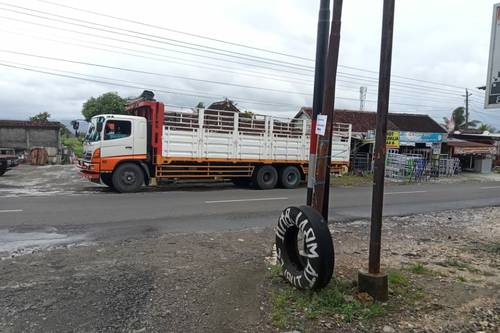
[[23, 136], [477, 151], [225, 105]]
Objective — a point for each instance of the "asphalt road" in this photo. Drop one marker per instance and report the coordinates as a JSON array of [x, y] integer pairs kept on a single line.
[[111, 215]]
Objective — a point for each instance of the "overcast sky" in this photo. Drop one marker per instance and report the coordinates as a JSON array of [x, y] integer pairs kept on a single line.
[[444, 41]]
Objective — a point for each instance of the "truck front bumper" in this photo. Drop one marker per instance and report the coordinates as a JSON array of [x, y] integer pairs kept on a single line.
[[89, 170]]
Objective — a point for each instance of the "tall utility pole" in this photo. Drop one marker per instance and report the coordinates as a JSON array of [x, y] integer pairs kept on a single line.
[[362, 98], [319, 82], [321, 190], [374, 282], [467, 107]]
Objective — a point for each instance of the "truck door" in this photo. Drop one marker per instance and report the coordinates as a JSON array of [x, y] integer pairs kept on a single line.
[[140, 136], [118, 138]]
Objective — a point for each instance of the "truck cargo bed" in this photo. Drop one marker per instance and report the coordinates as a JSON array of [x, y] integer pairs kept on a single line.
[[202, 134]]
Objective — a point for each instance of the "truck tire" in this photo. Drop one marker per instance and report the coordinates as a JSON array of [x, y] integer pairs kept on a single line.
[[290, 177], [265, 177], [2, 172], [107, 179], [311, 268], [127, 178]]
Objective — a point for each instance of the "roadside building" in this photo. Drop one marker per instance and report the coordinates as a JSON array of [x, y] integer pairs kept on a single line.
[[408, 134], [478, 152], [25, 136]]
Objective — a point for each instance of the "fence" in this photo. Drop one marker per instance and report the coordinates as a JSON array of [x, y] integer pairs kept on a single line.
[[417, 168]]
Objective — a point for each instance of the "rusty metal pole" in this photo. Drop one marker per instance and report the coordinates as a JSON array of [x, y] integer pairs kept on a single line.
[[384, 83], [321, 188], [374, 282], [319, 82]]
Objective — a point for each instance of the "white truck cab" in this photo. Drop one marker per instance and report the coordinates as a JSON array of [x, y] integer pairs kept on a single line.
[[116, 136]]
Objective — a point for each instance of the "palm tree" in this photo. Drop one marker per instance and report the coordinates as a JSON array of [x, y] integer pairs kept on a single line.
[[486, 128], [458, 120]]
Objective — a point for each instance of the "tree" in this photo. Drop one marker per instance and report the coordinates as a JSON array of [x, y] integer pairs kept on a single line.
[[457, 120], [247, 114], [200, 105], [42, 116], [108, 103], [486, 128]]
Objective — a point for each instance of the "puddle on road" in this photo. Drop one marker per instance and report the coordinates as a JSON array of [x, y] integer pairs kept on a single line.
[[20, 243]]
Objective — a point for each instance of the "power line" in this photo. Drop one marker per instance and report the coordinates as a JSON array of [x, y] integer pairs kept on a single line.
[[218, 68], [230, 43], [147, 45], [250, 101], [153, 73], [153, 38], [177, 31], [395, 91], [403, 84], [172, 76], [270, 61], [172, 90], [209, 66]]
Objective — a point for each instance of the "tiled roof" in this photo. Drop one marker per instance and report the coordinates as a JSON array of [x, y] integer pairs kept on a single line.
[[363, 121], [465, 143], [225, 105]]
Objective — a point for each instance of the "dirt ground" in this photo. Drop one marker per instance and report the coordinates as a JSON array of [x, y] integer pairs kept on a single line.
[[223, 282]]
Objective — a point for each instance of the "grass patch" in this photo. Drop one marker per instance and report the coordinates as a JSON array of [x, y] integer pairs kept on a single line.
[[75, 144], [460, 265], [419, 268], [397, 279], [461, 279], [402, 288], [289, 305], [492, 247]]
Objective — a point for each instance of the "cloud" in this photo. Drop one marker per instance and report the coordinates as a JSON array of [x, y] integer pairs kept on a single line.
[[445, 41]]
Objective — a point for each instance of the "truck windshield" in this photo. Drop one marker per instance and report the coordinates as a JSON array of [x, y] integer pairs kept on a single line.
[[92, 134]]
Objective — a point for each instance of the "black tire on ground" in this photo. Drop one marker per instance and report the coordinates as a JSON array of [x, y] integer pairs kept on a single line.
[[107, 179], [290, 177], [241, 182], [128, 177], [310, 267], [265, 177]]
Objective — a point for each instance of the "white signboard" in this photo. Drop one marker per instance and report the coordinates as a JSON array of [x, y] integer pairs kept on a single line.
[[493, 81], [321, 124]]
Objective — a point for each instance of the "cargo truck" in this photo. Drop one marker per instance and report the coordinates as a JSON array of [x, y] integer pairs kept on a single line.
[[150, 145], [8, 160]]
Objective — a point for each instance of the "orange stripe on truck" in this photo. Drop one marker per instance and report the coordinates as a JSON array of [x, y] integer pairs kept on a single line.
[[108, 164]]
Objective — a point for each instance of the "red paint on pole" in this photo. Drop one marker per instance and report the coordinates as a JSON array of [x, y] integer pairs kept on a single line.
[[314, 138]]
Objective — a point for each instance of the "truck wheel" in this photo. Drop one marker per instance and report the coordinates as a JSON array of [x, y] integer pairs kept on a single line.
[[128, 178], [304, 248], [290, 177], [2, 172], [265, 177], [107, 179]]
